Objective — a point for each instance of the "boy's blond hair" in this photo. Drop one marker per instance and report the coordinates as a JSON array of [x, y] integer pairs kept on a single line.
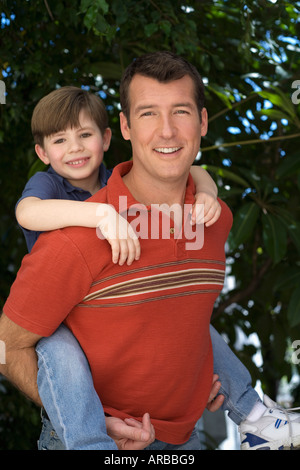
[[60, 109]]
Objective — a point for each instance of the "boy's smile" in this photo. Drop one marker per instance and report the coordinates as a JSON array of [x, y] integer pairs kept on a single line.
[[76, 153]]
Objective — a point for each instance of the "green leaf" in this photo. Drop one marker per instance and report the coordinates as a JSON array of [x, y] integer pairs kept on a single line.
[[243, 223], [38, 165], [289, 165], [278, 98], [220, 93], [275, 237], [288, 278], [293, 313], [275, 114], [150, 29]]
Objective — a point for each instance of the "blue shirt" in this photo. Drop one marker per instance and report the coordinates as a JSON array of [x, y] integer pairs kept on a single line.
[[50, 185]]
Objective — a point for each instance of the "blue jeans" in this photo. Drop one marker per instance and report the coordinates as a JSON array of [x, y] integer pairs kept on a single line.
[[66, 389]]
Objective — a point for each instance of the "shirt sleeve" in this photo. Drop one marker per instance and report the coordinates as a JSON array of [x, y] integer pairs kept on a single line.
[[43, 186], [52, 279], [40, 185]]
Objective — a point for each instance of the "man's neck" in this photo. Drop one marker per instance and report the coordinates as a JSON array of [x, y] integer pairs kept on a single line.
[[149, 192]]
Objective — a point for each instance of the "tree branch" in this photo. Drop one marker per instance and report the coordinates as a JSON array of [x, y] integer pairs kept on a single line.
[[253, 141], [48, 9]]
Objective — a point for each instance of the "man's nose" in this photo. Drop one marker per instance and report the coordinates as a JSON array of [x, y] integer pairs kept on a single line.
[[167, 127]]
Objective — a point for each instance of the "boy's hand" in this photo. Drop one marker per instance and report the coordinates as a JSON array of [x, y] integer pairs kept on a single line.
[[211, 212], [131, 434], [120, 235]]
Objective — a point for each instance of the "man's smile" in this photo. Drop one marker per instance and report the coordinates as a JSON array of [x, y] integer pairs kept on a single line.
[[167, 150]]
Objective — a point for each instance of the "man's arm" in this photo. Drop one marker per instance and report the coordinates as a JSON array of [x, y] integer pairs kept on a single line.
[[20, 366]]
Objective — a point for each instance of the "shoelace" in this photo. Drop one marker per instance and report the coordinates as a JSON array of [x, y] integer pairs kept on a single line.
[[286, 412]]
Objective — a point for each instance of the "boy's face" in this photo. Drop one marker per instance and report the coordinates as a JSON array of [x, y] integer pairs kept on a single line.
[[76, 153]]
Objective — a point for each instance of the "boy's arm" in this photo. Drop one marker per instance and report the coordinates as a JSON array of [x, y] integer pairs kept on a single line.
[[42, 215], [203, 181], [206, 209]]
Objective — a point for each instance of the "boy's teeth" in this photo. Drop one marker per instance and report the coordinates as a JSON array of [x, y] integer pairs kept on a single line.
[[76, 163], [167, 150]]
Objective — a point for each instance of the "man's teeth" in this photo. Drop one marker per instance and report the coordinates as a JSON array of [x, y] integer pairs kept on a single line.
[[167, 149]]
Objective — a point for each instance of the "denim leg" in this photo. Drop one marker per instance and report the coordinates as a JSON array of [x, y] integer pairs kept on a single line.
[[240, 397], [68, 395], [194, 443]]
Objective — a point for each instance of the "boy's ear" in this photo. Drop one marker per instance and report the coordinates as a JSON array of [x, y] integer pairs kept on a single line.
[[42, 154], [106, 139]]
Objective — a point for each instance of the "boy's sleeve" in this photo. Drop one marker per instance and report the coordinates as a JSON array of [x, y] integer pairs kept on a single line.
[[40, 185], [43, 186]]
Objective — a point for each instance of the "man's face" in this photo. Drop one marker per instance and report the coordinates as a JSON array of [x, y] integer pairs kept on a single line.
[[165, 128]]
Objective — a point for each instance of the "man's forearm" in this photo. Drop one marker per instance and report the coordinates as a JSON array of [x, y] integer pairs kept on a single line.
[[21, 370]]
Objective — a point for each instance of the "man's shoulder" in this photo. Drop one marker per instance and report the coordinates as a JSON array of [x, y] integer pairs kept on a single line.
[[226, 217]]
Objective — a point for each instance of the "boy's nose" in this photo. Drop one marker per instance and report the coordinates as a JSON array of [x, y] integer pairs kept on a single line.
[[76, 144]]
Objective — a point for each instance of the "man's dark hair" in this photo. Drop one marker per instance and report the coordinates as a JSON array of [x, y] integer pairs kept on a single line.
[[164, 67]]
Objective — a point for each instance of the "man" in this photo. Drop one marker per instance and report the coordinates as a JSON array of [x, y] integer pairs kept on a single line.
[[155, 353]]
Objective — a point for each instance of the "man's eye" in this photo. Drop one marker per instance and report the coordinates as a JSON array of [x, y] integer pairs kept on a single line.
[[147, 113]]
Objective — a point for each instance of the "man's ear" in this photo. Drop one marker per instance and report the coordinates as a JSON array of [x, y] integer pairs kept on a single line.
[[125, 129], [41, 153], [204, 122]]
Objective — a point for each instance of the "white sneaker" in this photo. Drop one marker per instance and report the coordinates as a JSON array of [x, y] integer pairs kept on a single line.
[[276, 429]]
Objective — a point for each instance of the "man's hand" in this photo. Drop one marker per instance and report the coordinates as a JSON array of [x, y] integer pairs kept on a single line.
[[206, 209], [215, 402], [131, 434], [120, 235]]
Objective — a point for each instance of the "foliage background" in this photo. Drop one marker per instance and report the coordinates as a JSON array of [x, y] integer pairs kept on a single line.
[[248, 53]]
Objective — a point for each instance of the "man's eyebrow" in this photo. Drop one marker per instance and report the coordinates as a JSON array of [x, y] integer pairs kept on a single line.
[[143, 107], [185, 105]]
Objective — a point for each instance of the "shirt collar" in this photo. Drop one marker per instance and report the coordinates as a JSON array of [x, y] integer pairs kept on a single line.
[[103, 178], [116, 188]]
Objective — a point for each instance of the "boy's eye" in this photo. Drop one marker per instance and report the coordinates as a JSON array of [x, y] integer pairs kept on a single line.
[[85, 135], [59, 141]]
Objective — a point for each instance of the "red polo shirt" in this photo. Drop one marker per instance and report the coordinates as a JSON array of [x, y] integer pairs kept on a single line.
[[144, 328]]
